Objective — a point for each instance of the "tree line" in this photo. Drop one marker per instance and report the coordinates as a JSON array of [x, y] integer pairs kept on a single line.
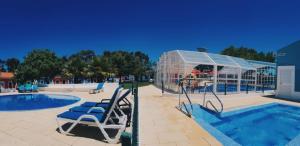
[[83, 65], [86, 64], [246, 53]]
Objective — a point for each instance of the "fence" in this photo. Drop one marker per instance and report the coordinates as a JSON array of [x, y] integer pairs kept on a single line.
[[132, 139]]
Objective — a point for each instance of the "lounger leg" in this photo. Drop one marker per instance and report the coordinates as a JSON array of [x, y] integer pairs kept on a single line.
[[61, 130], [68, 130], [117, 137], [106, 136]]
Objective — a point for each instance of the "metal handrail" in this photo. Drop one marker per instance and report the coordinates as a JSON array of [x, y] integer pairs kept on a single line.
[[183, 91], [188, 112], [187, 96], [210, 102], [212, 105]]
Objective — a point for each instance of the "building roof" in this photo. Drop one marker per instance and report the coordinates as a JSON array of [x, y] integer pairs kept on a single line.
[[293, 46], [6, 75], [194, 57], [289, 55]]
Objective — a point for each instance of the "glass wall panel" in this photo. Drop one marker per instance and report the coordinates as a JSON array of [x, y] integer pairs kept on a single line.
[[227, 79], [248, 80], [266, 78], [200, 76]]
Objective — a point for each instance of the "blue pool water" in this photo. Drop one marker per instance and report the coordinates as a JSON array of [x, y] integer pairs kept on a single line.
[[230, 88], [267, 125], [23, 102]]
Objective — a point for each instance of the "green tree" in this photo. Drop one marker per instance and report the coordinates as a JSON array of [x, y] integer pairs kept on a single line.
[[75, 66], [270, 57], [37, 64], [85, 55], [122, 63], [80, 66], [96, 69], [26, 73], [248, 53], [83, 65], [12, 64]]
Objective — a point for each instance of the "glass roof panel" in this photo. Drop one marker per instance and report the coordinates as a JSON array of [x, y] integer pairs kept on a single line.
[[222, 59], [243, 63], [195, 57], [210, 58], [260, 64]]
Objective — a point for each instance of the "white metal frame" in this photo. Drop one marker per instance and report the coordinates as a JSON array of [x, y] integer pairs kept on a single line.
[[169, 69], [121, 125]]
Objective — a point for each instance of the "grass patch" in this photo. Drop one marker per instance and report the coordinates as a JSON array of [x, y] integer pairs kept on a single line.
[[141, 84]]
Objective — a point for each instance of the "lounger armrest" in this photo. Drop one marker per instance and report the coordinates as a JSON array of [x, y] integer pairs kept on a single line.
[[104, 100], [96, 108]]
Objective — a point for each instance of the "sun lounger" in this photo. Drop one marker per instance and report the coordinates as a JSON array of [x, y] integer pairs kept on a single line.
[[89, 106], [34, 88], [28, 88], [98, 107], [21, 88], [103, 120], [98, 89]]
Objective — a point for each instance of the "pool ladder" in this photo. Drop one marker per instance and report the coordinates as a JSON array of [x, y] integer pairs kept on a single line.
[[209, 102], [182, 104]]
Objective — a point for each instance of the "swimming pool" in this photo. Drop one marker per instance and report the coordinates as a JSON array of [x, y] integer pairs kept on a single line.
[[270, 124], [22, 102]]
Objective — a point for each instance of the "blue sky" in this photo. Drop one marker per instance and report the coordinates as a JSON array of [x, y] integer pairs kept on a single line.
[[151, 26]]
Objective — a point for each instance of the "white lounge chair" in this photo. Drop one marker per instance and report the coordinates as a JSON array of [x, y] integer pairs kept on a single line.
[[105, 120]]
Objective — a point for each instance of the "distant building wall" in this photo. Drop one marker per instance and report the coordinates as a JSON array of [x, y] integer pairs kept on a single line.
[[289, 58]]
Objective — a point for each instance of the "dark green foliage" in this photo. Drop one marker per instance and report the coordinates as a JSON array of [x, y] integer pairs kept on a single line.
[[42, 63], [12, 64], [37, 64], [79, 66], [248, 53], [126, 63]]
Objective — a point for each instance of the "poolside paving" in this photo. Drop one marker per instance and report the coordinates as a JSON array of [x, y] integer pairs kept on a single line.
[[161, 124], [39, 127]]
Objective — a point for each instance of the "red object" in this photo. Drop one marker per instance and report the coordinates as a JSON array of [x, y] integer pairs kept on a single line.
[[60, 80], [6, 79], [196, 72]]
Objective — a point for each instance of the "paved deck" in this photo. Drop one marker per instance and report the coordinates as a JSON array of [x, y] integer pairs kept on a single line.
[[160, 122], [39, 128]]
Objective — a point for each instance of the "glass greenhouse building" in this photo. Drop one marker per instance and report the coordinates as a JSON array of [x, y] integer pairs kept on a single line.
[[223, 74]]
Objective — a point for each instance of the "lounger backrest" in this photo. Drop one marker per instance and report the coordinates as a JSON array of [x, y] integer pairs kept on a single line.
[[111, 104], [28, 86], [124, 95], [100, 86]]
